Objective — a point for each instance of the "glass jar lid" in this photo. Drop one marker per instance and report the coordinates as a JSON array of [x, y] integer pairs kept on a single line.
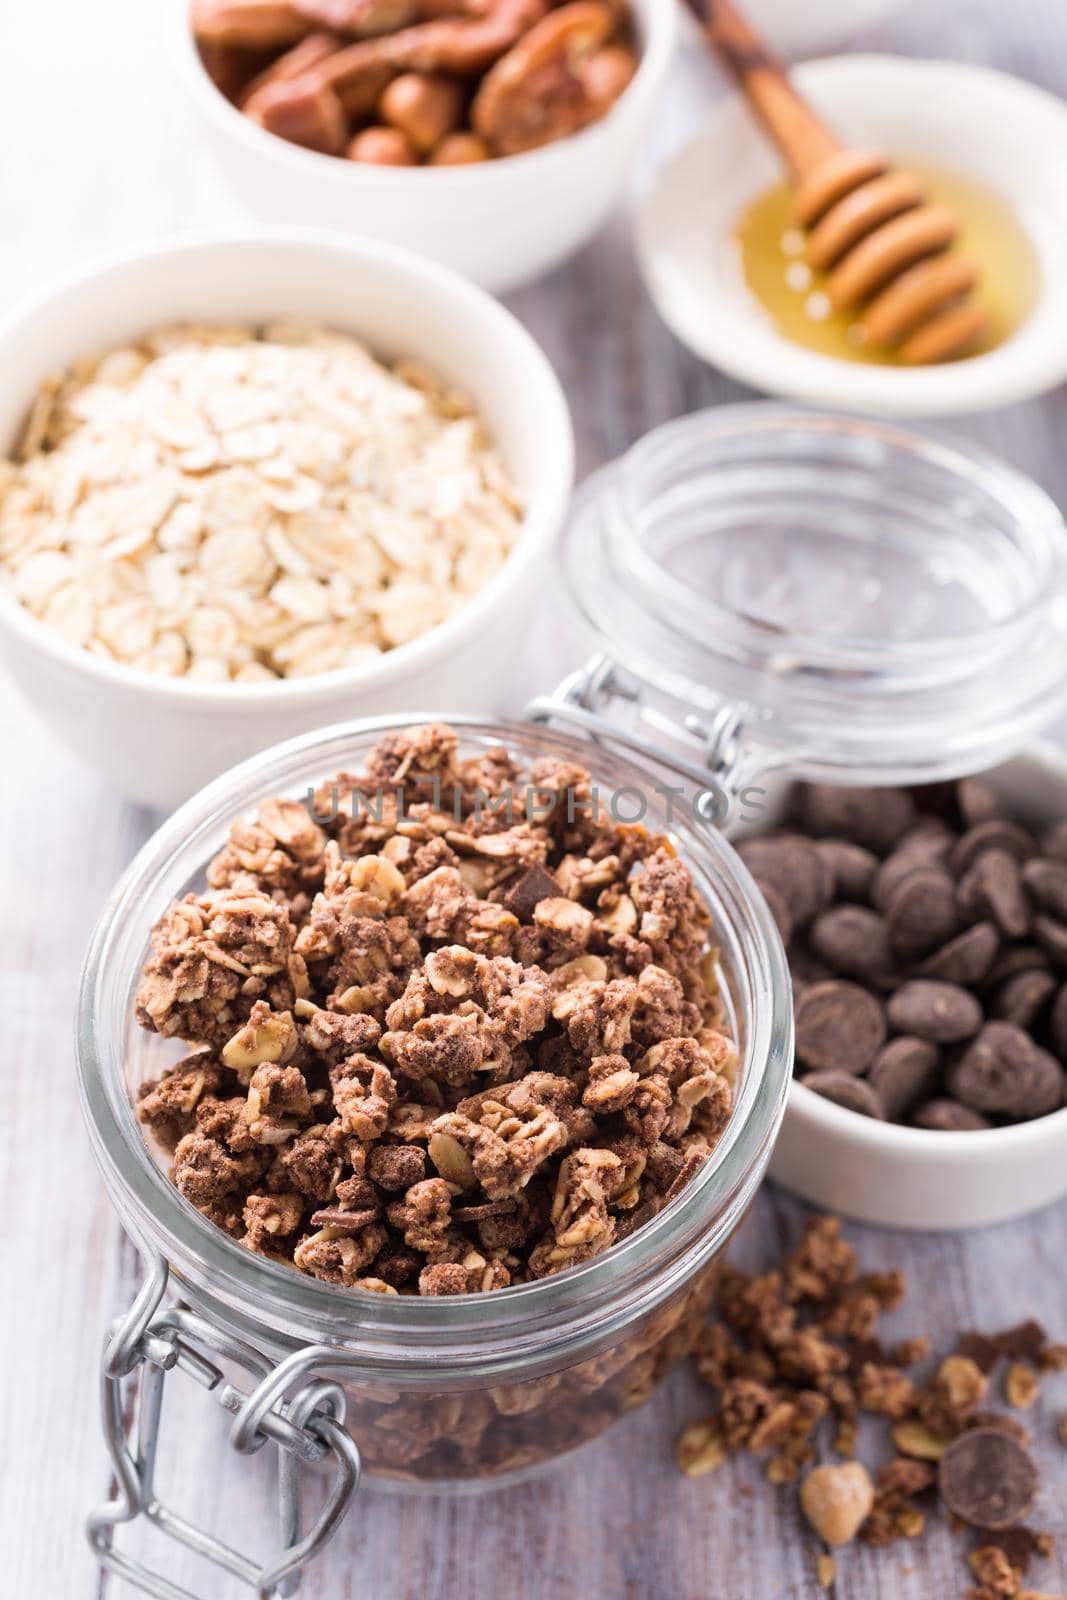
[[853, 599]]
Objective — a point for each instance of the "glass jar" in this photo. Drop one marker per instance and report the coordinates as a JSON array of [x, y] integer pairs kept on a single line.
[[771, 592], [453, 1389], [833, 596], [790, 594]]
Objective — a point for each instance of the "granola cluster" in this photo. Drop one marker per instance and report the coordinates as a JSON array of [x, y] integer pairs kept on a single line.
[[230, 504], [794, 1356], [447, 1040]]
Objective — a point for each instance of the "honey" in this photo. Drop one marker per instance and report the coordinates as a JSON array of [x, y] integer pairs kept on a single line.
[[770, 255]]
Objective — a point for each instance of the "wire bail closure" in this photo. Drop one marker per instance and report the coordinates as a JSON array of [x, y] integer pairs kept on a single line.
[[152, 1340], [585, 698]]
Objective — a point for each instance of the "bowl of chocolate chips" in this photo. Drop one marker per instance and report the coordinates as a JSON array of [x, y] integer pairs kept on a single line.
[[927, 937]]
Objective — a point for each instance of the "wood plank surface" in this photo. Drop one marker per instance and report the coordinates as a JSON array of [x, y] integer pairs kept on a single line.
[[99, 153]]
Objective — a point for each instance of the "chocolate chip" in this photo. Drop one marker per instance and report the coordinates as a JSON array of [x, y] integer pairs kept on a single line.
[[1022, 998], [1057, 1024], [628, 1222], [1019, 1545], [1047, 882], [965, 959], [839, 1027], [1054, 841], [1016, 958], [347, 1222], [929, 840], [791, 865], [527, 892], [885, 882], [491, 1208], [805, 968], [852, 866], [982, 1349], [987, 1479], [1052, 937], [948, 1116], [997, 834], [873, 818], [892, 873], [855, 942], [691, 1165], [845, 1090], [921, 913], [1025, 1341], [1004, 1072], [941, 1012], [905, 1070], [778, 907], [976, 802], [993, 887]]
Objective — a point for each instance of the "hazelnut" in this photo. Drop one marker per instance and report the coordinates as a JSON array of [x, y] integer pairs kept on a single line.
[[607, 75], [460, 150], [382, 147], [423, 107], [837, 1500]]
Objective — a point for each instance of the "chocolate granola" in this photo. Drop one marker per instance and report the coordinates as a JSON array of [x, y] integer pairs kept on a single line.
[[447, 1042], [795, 1358]]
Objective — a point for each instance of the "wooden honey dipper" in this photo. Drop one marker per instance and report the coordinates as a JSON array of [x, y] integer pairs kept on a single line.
[[868, 226]]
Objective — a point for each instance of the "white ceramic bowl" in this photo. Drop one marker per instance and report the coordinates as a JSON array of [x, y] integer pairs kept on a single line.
[[500, 223], [797, 30], [159, 739], [913, 1177], [987, 125]]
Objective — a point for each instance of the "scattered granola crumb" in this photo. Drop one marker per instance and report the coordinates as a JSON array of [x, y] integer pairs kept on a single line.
[[826, 1570], [701, 1449], [1021, 1386], [796, 1347]]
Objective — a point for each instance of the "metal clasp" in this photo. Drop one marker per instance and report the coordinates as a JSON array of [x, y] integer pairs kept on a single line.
[[584, 698], [151, 1341]]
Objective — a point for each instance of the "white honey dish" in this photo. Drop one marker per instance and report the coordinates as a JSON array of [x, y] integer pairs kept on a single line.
[[501, 223], [797, 30], [159, 739], [1002, 132], [785, 594]]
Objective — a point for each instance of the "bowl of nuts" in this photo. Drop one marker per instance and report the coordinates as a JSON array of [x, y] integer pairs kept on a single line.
[[266, 482], [494, 137]]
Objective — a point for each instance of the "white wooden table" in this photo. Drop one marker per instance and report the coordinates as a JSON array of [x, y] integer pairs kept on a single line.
[[98, 154]]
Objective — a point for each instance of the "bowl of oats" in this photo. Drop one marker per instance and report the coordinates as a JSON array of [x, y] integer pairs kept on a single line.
[[496, 139], [254, 486]]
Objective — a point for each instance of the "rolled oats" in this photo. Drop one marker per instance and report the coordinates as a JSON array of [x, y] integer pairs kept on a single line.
[[234, 505]]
